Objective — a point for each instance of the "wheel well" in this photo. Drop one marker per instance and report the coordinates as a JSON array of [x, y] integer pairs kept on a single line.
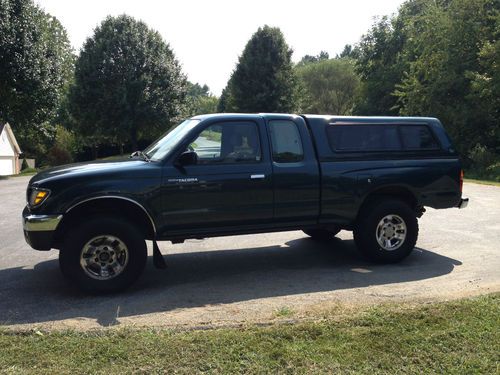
[[392, 192], [117, 207]]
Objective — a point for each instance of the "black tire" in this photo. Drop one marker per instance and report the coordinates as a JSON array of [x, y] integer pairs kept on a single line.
[[132, 248], [321, 234], [365, 231]]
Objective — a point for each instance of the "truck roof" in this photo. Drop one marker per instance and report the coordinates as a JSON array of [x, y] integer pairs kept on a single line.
[[371, 118], [330, 118]]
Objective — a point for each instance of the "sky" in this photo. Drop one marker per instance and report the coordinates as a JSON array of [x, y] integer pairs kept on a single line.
[[208, 36]]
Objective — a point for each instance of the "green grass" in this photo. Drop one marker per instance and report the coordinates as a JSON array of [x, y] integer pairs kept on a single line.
[[113, 157], [284, 312], [27, 172], [461, 337], [482, 182], [488, 176], [24, 172], [212, 136]]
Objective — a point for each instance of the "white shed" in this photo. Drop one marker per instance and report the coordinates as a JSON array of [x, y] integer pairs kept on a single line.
[[9, 152]]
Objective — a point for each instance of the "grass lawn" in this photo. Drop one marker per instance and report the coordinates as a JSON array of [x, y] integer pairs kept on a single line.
[[212, 136], [482, 182], [460, 337]]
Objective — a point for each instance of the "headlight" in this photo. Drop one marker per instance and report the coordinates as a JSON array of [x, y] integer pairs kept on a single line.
[[38, 196]]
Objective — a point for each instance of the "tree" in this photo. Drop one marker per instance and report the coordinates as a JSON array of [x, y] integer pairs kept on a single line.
[[264, 80], [128, 84], [223, 99], [383, 56], [307, 59], [36, 62], [454, 75], [200, 100], [349, 52], [330, 86], [380, 67], [195, 90]]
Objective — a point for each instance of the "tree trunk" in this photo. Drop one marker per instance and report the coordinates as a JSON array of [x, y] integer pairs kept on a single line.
[[133, 138], [95, 152]]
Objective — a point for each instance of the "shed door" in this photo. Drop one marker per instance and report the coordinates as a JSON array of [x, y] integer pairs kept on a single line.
[[6, 166]]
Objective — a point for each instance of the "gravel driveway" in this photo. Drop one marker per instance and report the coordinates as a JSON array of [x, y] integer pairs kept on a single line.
[[253, 278]]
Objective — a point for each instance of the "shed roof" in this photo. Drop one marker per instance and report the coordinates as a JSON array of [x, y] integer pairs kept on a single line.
[[6, 127]]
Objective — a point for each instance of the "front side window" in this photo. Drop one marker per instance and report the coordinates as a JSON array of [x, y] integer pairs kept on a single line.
[[286, 141], [228, 142]]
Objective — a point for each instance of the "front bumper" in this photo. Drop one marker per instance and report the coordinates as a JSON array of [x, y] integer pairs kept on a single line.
[[39, 229], [463, 203]]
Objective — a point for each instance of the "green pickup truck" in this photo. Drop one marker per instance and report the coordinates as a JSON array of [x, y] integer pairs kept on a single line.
[[231, 174]]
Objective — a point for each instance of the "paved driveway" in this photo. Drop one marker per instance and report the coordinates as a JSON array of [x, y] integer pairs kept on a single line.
[[250, 278]]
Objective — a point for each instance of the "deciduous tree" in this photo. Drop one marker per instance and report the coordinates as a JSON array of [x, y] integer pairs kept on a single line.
[[329, 86], [128, 84], [36, 62], [264, 79]]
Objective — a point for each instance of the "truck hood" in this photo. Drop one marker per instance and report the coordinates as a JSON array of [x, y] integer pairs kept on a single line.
[[119, 166]]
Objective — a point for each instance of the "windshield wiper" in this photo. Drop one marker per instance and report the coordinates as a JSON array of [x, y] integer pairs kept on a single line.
[[140, 154]]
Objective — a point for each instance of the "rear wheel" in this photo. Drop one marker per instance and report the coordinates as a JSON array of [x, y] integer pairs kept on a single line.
[[386, 231], [103, 255], [322, 234]]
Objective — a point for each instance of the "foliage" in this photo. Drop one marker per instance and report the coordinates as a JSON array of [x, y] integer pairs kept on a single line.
[[58, 155], [454, 75], [64, 148], [223, 100], [195, 89], [200, 100], [36, 63], [350, 52], [380, 67], [264, 79], [439, 59], [128, 84], [457, 337], [482, 157], [27, 171], [307, 59], [329, 86], [485, 163]]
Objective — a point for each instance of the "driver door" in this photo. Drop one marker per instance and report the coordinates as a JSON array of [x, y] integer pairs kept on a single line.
[[230, 184]]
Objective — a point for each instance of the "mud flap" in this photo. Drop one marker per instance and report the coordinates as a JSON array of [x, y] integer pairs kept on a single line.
[[158, 260]]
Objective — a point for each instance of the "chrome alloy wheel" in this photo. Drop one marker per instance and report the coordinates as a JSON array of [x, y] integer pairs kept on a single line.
[[391, 232], [104, 257]]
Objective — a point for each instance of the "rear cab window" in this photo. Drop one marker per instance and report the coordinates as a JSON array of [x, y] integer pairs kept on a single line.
[[285, 141]]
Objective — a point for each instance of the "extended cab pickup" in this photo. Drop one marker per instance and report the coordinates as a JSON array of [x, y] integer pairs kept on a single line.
[[228, 174]]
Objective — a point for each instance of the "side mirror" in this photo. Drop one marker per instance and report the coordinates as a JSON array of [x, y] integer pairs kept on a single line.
[[187, 158]]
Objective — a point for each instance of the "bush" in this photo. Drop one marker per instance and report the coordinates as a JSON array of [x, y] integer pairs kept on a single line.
[[28, 171], [58, 155], [494, 172], [485, 163], [481, 157]]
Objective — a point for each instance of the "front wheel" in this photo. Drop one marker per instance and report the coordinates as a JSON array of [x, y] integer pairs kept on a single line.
[[386, 231], [103, 255]]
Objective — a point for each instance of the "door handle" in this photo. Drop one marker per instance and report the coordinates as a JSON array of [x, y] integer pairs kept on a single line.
[[257, 176]]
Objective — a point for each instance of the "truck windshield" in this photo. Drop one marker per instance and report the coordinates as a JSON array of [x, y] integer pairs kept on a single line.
[[162, 147]]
